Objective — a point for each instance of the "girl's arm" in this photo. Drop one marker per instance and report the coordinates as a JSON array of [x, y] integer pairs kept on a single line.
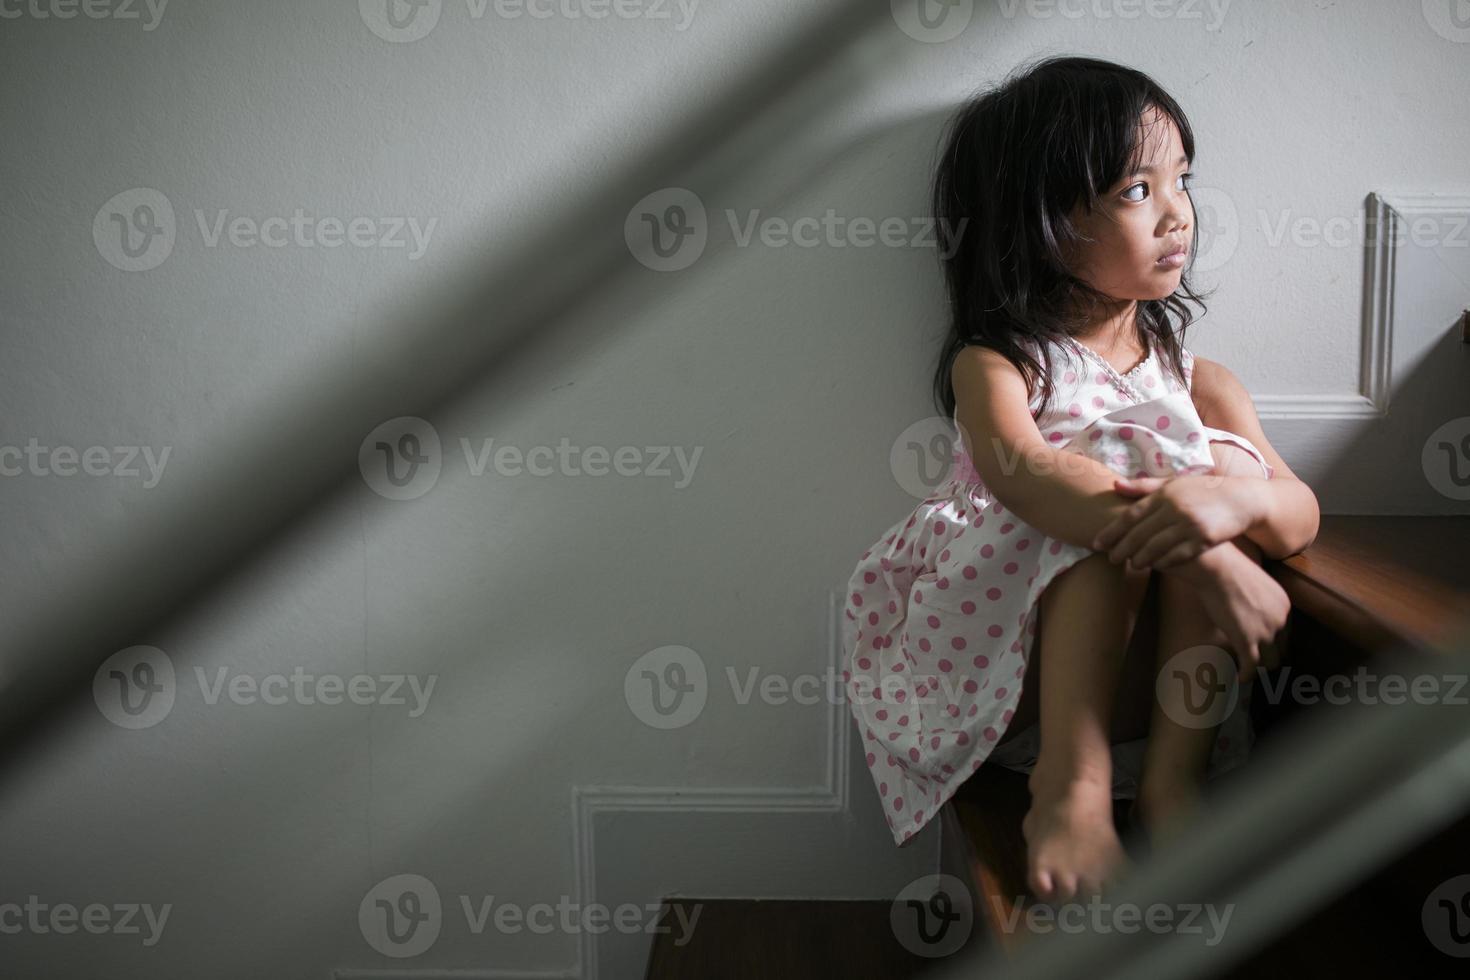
[[1063, 494], [1286, 515]]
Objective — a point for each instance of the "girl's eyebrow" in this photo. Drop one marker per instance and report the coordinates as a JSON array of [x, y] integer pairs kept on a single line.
[[1183, 160]]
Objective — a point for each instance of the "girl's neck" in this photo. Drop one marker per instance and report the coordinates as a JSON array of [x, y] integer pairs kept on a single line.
[[1112, 329]]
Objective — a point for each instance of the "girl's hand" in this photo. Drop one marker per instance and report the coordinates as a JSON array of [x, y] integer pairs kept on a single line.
[[1179, 518], [1244, 601]]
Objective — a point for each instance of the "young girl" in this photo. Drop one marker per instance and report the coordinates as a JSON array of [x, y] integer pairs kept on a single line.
[[1092, 450]]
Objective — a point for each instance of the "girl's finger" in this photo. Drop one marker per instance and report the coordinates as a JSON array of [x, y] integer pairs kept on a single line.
[[1147, 526], [1179, 554], [1159, 545]]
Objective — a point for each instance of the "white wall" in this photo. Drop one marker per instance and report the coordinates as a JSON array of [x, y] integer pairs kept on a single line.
[[790, 370]]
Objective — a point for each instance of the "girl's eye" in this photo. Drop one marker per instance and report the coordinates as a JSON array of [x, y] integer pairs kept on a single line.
[[1189, 176]]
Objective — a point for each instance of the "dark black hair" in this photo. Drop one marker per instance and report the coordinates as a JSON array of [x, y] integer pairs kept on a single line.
[[1017, 160]]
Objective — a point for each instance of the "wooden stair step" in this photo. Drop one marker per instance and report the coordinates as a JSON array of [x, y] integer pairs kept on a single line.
[[1384, 581], [777, 939]]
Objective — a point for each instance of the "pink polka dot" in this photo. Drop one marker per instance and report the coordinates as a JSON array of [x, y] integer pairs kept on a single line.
[[945, 665], [1070, 377], [1148, 382], [961, 738], [944, 555], [1097, 401], [1096, 435], [857, 600], [1023, 544], [864, 663], [1074, 410], [958, 642], [1007, 715], [898, 802], [969, 571], [1011, 568], [1102, 378], [1055, 437], [882, 789], [872, 619], [943, 583], [1000, 692], [1163, 422], [993, 594], [1125, 433], [1193, 437], [938, 527], [967, 607], [987, 551], [971, 688], [1056, 547], [924, 643], [995, 630], [933, 622], [982, 661], [991, 734], [1007, 528], [870, 577]]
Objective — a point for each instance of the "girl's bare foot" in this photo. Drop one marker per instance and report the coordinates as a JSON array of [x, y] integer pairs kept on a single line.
[[1072, 847]]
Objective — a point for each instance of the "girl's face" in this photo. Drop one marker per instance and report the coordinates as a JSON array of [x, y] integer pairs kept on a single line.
[[1143, 218]]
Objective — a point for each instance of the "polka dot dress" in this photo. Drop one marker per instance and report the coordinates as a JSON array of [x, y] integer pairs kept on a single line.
[[941, 612]]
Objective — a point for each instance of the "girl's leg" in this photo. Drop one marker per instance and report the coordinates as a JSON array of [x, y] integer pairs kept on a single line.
[[1178, 754], [1087, 615]]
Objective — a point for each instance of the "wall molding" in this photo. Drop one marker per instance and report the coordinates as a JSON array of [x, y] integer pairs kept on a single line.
[[1386, 217], [588, 801]]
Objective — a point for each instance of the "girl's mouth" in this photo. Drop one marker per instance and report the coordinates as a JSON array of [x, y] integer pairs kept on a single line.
[[1173, 260]]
